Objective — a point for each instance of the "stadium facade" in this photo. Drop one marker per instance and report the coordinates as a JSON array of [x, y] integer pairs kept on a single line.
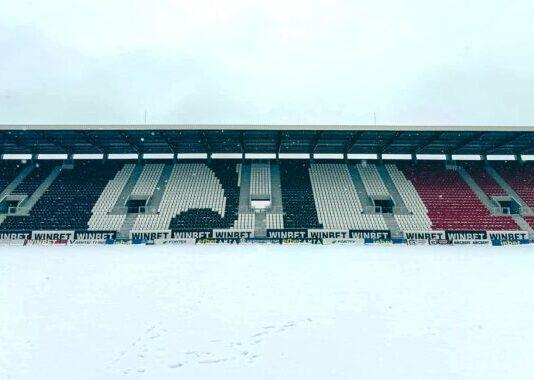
[[295, 183]]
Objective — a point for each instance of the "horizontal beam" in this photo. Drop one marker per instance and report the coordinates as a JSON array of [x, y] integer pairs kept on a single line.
[[266, 127]]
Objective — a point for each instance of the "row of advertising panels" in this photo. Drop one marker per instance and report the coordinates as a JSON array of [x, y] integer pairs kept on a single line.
[[286, 236]]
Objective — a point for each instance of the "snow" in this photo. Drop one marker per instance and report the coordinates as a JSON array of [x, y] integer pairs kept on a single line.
[[266, 312]]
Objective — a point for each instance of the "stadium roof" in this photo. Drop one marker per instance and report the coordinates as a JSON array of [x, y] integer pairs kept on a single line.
[[378, 139]]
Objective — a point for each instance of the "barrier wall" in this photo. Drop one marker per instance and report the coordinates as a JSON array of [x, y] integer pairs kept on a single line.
[[295, 236]]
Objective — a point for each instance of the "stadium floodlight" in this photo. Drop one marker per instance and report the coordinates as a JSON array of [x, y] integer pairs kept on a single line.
[[17, 156], [431, 157], [466, 157], [123, 156], [87, 156], [158, 156], [260, 156], [294, 156], [500, 157], [227, 156], [362, 156], [391, 156], [192, 156], [328, 156]]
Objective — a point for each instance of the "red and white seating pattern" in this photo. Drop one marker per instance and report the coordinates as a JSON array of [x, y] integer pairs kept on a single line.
[[418, 218]]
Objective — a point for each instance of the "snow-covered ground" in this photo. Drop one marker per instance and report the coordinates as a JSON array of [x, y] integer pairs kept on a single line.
[[266, 312]]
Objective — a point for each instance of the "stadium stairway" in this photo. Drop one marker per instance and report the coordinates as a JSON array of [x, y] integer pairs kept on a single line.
[[392, 225], [276, 191], [400, 206], [127, 226], [244, 188], [127, 190], [29, 202], [486, 201], [17, 180], [526, 210], [156, 197], [523, 224], [260, 183], [275, 215], [260, 224], [365, 200]]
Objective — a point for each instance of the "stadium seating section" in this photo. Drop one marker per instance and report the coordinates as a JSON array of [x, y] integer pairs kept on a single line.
[[200, 194], [520, 178], [451, 203]]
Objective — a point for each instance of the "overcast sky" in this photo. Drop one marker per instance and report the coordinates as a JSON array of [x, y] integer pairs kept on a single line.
[[278, 61]]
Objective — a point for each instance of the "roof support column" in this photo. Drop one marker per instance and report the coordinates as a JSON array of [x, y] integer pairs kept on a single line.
[[448, 160], [70, 158], [379, 158]]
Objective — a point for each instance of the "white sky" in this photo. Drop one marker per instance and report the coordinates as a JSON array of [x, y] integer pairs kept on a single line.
[[293, 61]]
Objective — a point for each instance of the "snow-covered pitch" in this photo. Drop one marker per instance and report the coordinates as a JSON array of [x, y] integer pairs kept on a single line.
[[266, 312]]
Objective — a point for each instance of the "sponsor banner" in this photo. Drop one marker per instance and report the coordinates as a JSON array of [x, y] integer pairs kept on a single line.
[[467, 237], [260, 241], [13, 242], [233, 234], [287, 234], [87, 242], [15, 235], [424, 235], [370, 234], [471, 242], [328, 234], [120, 242], [192, 234], [95, 235], [508, 235], [302, 241], [344, 241], [500, 243], [218, 241], [378, 241], [174, 241], [428, 242], [136, 236], [417, 242], [46, 242], [52, 235]]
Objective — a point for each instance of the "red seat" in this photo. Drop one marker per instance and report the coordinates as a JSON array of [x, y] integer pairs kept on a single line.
[[451, 203]]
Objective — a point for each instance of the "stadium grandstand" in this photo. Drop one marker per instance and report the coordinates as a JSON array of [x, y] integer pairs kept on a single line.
[[126, 181]]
